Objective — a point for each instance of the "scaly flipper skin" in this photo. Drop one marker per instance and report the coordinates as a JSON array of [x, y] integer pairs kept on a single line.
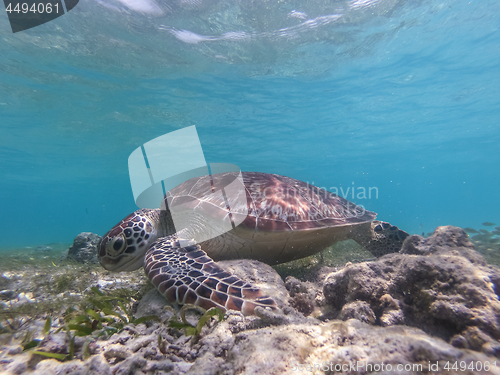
[[187, 275]]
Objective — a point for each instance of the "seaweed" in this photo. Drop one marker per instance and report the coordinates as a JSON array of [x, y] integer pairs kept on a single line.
[[28, 342], [102, 319], [195, 330], [105, 319], [12, 321]]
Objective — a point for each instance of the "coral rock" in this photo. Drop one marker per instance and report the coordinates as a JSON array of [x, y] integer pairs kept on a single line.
[[359, 310], [439, 284], [84, 248]]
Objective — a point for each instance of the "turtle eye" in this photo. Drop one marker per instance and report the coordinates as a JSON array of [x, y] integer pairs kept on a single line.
[[118, 244]]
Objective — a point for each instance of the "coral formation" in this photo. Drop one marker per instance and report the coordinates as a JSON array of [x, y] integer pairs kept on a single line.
[[84, 248], [432, 308], [439, 284]]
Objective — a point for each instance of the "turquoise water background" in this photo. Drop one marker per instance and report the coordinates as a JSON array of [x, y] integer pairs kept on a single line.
[[400, 96]]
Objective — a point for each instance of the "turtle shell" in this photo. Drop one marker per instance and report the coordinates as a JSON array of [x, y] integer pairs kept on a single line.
[[272, 218], [283, 203]]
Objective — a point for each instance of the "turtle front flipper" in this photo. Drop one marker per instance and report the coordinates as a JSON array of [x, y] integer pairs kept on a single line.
[[380, 238], [187, 275]]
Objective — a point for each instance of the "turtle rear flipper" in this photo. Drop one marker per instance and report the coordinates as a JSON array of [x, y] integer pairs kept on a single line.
[[381, 238], [186, 275]]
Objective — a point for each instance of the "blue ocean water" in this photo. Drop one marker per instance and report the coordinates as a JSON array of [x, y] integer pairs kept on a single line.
[[399, 96]]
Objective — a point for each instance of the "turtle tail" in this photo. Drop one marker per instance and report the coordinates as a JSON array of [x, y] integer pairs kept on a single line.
[[187, 275], [381, 238]]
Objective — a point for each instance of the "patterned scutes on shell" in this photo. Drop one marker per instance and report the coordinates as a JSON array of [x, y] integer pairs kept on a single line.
[[273, 203]]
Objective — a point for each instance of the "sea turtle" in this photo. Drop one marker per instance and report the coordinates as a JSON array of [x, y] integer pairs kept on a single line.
[[285, 219]]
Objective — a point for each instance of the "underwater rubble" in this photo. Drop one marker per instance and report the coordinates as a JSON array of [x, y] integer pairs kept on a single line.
[[431, 308]]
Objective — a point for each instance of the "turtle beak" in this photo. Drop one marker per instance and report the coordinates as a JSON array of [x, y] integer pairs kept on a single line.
[[124, 263]]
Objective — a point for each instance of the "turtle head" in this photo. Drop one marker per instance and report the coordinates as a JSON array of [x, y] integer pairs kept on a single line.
[[124, 246]]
